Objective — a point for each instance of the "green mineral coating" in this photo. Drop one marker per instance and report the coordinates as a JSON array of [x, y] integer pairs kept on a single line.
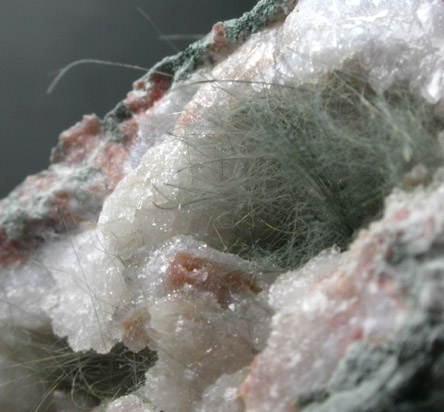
[[180, 66], [266, 12], [120, 113], [112, 120]]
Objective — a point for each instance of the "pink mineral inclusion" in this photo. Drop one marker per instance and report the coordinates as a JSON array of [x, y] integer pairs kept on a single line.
[[208, 276], [144, 95], [80, 140]]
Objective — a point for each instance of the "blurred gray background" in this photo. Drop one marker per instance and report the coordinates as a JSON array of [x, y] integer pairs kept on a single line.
[[37, 37]]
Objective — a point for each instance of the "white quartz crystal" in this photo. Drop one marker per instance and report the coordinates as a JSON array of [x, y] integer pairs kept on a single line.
[[89, 287], [125, 404], [73, 285]]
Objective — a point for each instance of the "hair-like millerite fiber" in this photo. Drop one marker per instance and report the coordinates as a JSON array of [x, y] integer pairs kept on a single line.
[[89, 377], [290, 171]]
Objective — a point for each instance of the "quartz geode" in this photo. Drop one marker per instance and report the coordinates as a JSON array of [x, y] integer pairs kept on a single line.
[[258, 226]]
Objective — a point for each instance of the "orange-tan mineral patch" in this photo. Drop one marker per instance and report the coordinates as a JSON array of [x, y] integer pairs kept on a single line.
[[111, 160], [41, 182], [130, 130], [76, 142], [144, 95], [208, 276], [219, 37], [11, 251], [62, 212]]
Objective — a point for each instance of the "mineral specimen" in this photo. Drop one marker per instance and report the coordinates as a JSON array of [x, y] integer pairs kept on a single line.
[[258, 226]]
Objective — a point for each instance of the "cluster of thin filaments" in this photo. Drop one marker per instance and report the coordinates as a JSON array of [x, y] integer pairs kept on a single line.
[[289, 171], [88, 377]]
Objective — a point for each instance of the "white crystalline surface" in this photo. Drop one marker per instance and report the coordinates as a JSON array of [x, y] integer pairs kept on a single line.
[[72, 285], [159, 122], [89, 288], [224, 395], [226, 340], [130, 403], [63, 283], [198, 308], [60, 289], [29, 285], [139, 217]]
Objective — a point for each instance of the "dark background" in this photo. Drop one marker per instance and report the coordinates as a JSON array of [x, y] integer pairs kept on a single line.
[[37, 37]]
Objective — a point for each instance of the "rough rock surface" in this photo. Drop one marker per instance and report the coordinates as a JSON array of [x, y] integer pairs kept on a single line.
[[92, 252]]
